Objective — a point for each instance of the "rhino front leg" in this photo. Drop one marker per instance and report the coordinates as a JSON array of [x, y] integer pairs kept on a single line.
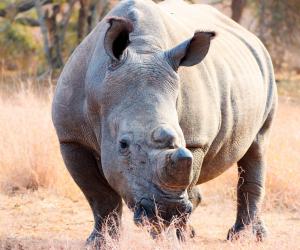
[[105, 203], [251, 185]]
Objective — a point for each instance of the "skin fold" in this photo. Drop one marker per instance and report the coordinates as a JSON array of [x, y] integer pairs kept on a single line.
[[158, 99]]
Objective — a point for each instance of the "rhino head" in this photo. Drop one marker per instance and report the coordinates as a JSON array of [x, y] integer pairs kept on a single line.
[[143, 150]]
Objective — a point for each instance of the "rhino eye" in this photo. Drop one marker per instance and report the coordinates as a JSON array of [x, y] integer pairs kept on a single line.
[[124, 146]]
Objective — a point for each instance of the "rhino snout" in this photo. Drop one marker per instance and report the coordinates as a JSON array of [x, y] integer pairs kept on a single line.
[[175, 169]]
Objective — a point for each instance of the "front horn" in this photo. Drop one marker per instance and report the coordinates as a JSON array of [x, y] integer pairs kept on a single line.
[[176, 171]]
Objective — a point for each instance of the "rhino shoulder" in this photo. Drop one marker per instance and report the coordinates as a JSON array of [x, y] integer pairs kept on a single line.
[[69, 102]]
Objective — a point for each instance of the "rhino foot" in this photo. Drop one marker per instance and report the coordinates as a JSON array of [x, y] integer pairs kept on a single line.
[[94, 241], [258, 229], [188, 232], [192, 232]]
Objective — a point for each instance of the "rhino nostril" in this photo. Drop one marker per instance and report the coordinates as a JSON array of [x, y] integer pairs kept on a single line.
[[165, 136]]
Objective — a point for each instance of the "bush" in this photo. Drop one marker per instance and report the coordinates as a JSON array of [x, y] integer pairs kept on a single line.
[[17, 43]]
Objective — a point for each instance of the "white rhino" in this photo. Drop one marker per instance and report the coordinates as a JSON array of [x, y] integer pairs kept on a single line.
[[158, 99]]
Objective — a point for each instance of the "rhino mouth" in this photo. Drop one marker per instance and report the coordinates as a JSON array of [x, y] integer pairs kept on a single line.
[[162, 213], [170, 204]]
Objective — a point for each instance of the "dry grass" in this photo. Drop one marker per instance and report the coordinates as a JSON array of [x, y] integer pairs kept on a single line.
[[30, 157], [56, 215]]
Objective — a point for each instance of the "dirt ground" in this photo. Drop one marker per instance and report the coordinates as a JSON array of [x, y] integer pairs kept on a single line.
[[45, 221], [51, 219]]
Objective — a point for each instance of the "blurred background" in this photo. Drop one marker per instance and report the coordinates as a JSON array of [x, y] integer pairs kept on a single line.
[[42, 208], [37, 36]]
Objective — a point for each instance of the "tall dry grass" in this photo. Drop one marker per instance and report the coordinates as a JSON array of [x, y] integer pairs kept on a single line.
[[283, 189], [29, 151]]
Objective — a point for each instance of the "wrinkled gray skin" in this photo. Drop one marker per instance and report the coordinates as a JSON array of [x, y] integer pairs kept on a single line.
[[143, 91]]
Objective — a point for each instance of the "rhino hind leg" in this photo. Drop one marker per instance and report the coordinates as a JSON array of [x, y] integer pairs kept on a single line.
[[105, 203], [251, 186]]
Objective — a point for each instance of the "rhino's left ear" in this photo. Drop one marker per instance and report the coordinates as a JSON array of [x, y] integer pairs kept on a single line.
[[192, 51], [116, 38]]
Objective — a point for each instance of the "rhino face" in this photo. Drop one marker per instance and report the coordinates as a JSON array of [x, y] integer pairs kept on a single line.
[[143, 148], [143, 151]]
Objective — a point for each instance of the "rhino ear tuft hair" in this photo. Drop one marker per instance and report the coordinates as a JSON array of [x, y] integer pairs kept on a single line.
[[192, 51], [116, 39]]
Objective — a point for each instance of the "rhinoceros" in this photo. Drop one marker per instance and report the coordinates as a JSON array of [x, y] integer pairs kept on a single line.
[[158, 99]]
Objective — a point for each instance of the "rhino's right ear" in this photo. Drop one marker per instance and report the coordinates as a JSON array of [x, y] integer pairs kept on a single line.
[[116, 39], [192, 51]]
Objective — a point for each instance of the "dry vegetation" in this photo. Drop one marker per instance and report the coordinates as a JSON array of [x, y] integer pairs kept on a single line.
[[41, 208], [30, 157]]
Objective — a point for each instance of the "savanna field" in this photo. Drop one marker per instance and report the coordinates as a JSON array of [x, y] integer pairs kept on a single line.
[[41, 207]]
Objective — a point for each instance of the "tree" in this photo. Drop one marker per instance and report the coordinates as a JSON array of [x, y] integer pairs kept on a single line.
[[277, 22], [237, 8], [53, 31], [90, 12], [278, 26], [53, 18], [12, 10]]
